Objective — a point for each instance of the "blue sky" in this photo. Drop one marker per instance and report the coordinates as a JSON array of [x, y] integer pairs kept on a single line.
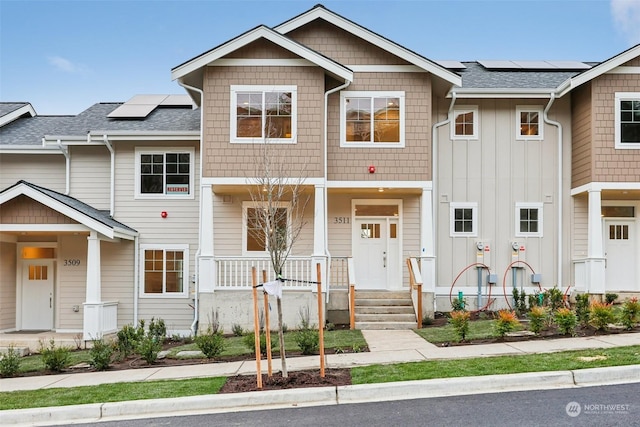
[[64, 56]]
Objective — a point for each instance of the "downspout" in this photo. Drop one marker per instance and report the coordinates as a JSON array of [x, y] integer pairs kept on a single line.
[[434, 184], [112, 183], [67, 156], [136, 279], [560, 200], [326, 198], [194, 324]]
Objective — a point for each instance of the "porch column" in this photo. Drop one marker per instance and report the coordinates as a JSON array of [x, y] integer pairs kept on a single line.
[[92, 327], [595, 246], [206, 264], [319, 234], [427, 242]]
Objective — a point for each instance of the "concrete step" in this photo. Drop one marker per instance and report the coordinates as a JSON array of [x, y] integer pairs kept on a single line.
[[386, 309], [384, 318], [382, 294], [384, 302], [386, 325]]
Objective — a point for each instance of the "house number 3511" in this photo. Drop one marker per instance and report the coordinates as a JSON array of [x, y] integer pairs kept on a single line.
[[71, 262], [341, 220]]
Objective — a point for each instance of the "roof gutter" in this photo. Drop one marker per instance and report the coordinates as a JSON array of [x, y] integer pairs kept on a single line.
[[196, 307]]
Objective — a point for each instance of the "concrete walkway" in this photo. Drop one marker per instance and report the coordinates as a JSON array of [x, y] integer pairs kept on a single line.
[[385, 347]]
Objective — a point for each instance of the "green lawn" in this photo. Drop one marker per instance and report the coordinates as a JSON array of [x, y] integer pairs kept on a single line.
[[478, 329]]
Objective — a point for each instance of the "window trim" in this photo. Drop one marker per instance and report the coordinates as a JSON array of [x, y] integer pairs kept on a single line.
[[474, 219], [139, 151], [185, 272], [463, 109], [371, 94], [529, 108], [233, 124], [539, 207], [619, 97], [255, 204]]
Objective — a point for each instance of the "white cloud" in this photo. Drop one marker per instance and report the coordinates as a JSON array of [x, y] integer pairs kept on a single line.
[[626, 16], [65, 65]]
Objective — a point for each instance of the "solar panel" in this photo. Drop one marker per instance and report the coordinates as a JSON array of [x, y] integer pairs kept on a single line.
[[140, 106], [453, 65], [132, 111], [533, 65], [570, 65], [176, 100]]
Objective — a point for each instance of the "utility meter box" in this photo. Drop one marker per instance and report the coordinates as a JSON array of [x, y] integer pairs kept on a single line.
[[518, 252], [483, 253]]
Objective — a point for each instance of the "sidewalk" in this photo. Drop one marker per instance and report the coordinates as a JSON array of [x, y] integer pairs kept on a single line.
[[386, 347]]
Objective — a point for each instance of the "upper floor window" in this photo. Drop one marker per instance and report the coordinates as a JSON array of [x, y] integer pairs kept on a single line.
[[627, 115], [465, 123], [164, 173], [372, 119], [529, 122], [165, 270], [263, 113], [264, 227], [528, 220], [463, 219]]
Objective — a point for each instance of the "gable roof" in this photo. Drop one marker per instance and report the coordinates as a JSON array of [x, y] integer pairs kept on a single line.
[[320, 12], [194, 65], [600, 69], [94, 219], [9, 111]]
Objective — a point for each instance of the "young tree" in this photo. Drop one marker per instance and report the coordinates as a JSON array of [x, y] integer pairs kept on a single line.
[[275, 220]]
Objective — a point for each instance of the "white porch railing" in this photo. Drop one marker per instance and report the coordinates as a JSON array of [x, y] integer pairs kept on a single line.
[[339, 274], [235, 272], [100, 319]]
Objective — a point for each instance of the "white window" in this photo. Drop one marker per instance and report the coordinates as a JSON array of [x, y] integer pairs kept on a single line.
[[529, 124], [164, 270], [463, 219], [627, 115], [164, 173], [262, 114], [372, 119], [465, 123], [263, 227], [528, 220]]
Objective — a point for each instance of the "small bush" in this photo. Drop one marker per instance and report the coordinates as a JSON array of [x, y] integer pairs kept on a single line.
[[566, 321], [610, 298], [158, 330], [329, 326], [9, 362], [630, 314], [520, 301], [211, 343], [534, 299], [237, 330], [460, 322], [100, 355], [307, 339], [128, 338], [427, 321], [506, 321], [250, 342], [555, 298], [54, 358], [148, 348], [582, 309], [537, 319], [600, 315], [458, 304]]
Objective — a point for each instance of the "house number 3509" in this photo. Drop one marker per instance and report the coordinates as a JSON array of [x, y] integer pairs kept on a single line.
[[71, 262]]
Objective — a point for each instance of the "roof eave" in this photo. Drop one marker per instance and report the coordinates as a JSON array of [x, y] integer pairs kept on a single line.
[[538, 93]]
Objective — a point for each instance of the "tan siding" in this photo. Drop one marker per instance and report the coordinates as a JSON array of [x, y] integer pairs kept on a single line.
[[581, 125], [223, 158], [341, 45], [339, 205], [118, 277], [24, 210], [7, 285], [413, 162], [71, 286], [46, 170], [90, 175], [580, 225], [611, 165], [262, 49]]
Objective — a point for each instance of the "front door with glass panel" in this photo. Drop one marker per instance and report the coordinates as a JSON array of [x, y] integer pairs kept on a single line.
[[620, 252], [37, 294], [376, 247]]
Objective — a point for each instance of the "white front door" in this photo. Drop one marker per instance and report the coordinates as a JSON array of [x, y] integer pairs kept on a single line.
[[37, 294], [376, 252], [620, 253]]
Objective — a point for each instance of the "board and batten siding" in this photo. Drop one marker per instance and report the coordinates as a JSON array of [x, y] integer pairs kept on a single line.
[[90, 175], [45, 170], [496, 171], [8, 265], [144, 215]]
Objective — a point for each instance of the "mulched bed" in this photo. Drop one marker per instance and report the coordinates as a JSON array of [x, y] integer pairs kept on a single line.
[[296, 379]]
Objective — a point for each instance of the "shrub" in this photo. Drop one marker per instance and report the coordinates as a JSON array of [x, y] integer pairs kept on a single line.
[[600, 315], [427, 321], [307, 339], [537, 318], [128, 338], [460, 322], [250, 343], [158, 330], [555, 298], [520, 301], [54, 358], [566, 321], [9, 362], [148, 348], [582, 308], [534, 299], [211, 343], [630, 314], [610, 298], [458, 304], [507, 321], [100, 355], [237, 330]]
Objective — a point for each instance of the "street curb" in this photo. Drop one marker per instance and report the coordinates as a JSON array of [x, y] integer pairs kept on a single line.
[[604, 376]]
